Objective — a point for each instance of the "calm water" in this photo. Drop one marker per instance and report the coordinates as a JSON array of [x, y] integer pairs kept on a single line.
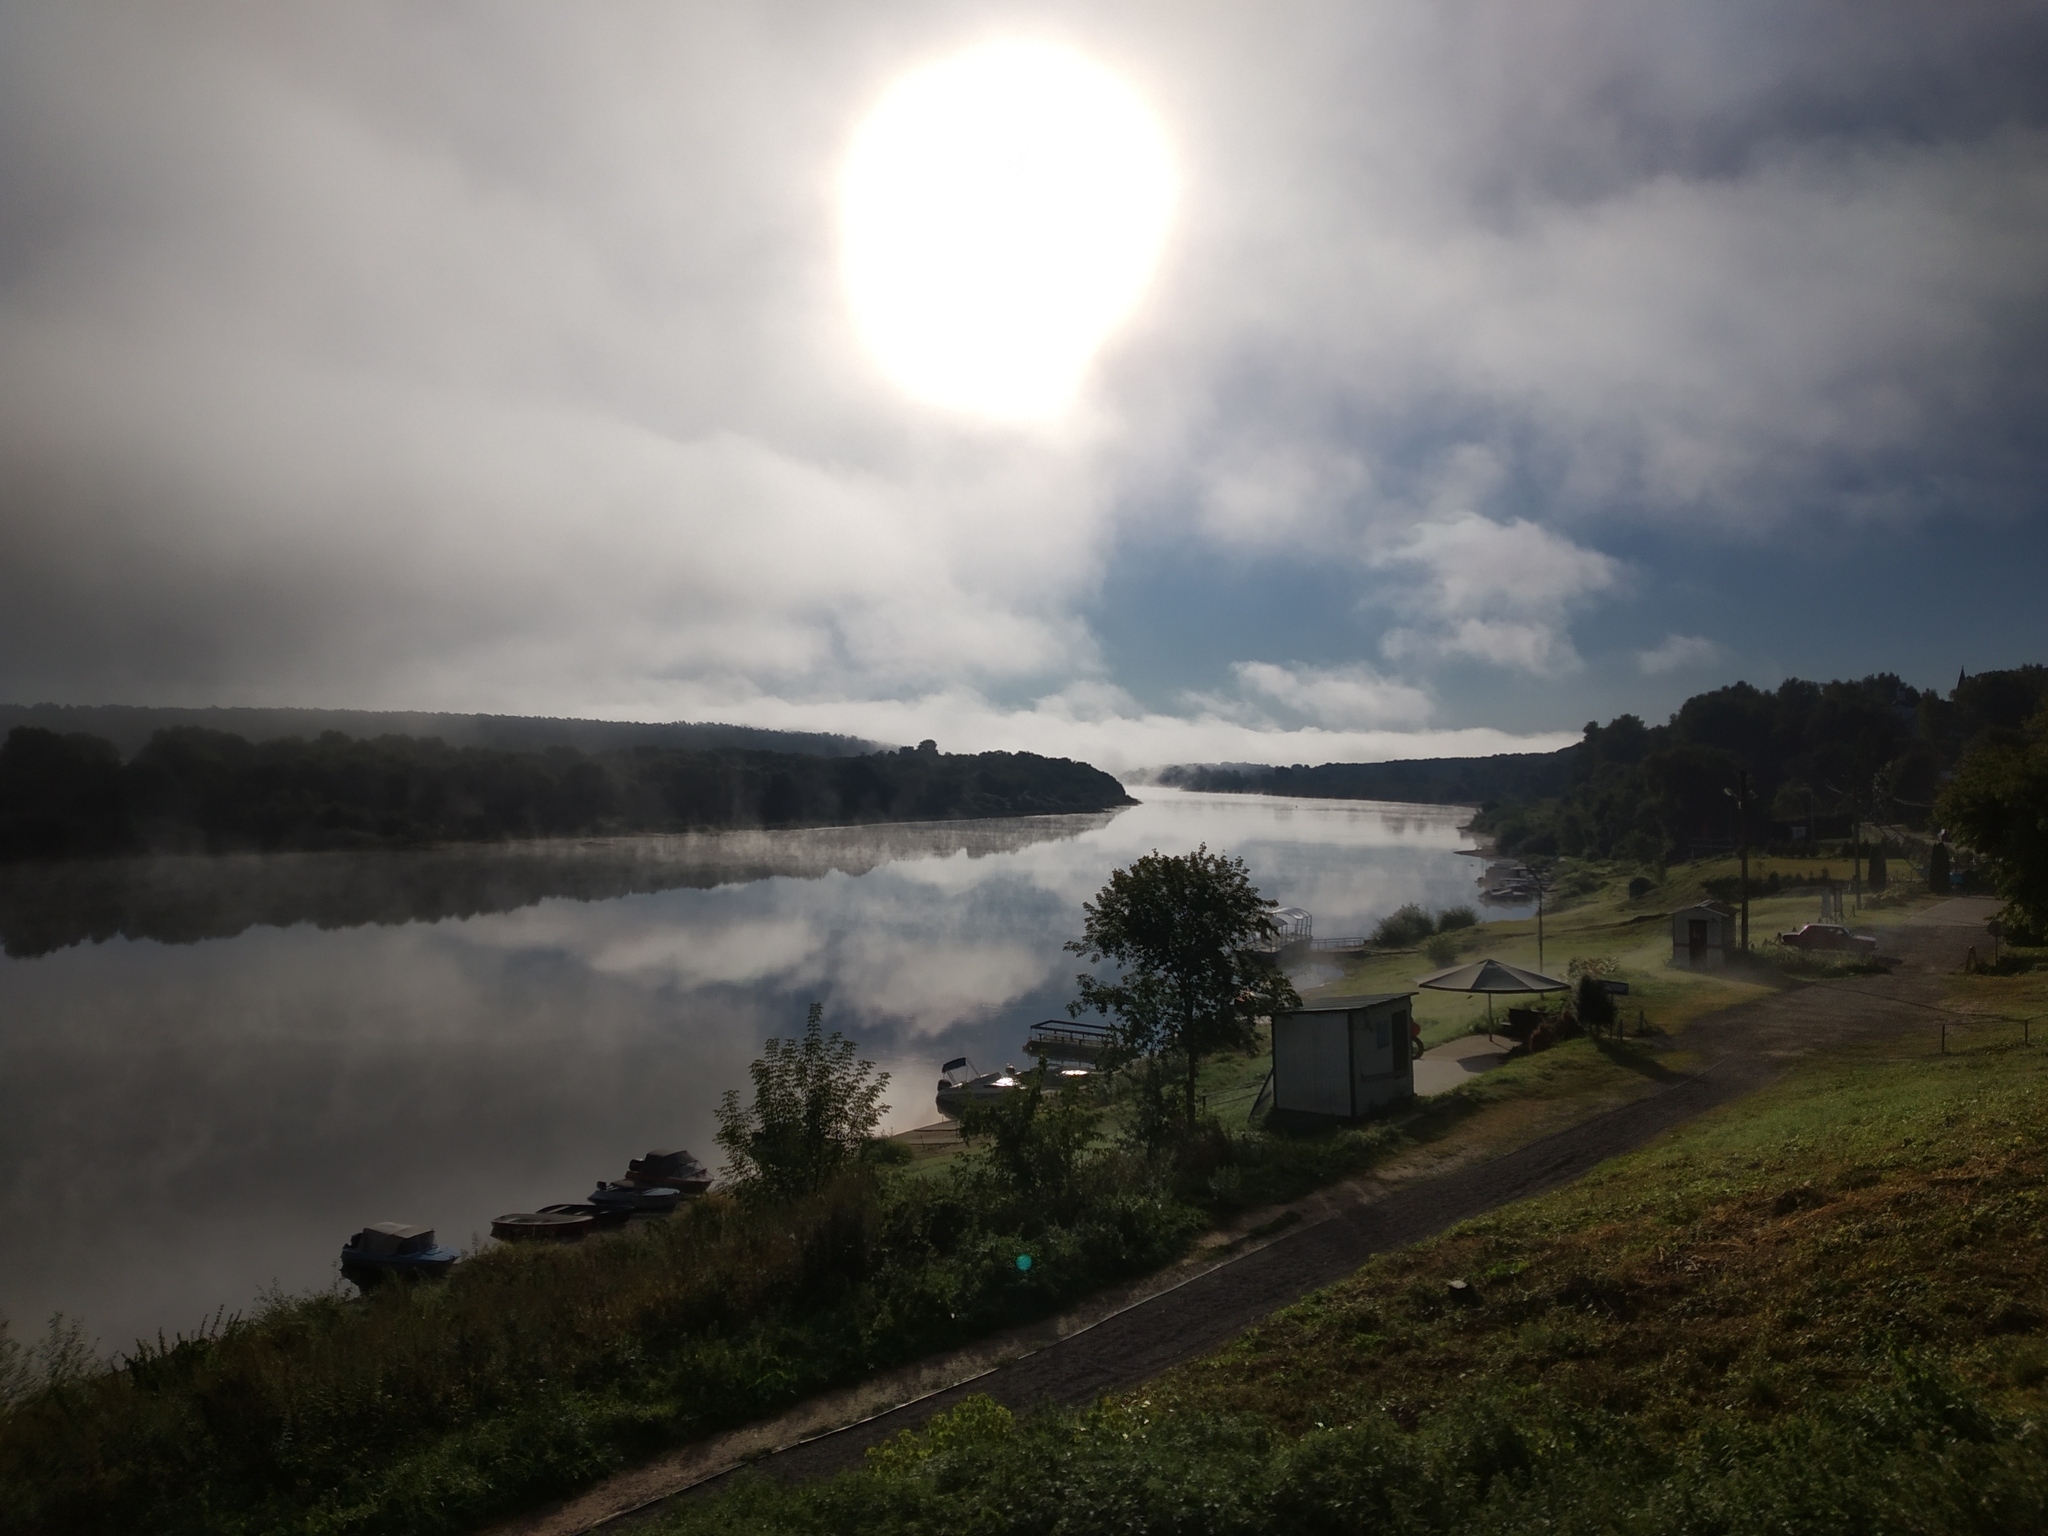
[[211, 1071]]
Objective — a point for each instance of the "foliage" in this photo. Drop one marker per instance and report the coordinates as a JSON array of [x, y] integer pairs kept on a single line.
[[1421, 781], [1441, 950], [1997, 806], [1940, 867], [1183, 929], [194, 790], [1451, 919], [1594, 1005], [1404, 927], [1034, 1144], [814, 1107], [1821, 1311]]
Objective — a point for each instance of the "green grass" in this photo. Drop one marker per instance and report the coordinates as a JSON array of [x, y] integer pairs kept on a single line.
[[1820, 1310]]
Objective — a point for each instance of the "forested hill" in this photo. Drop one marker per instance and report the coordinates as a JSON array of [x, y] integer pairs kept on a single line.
[[130, 726], [1425, 781], [1820, 757], [195, 790]]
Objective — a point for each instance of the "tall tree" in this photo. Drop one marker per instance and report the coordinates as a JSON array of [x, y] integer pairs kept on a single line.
[[1186, 931], [1997, 805]]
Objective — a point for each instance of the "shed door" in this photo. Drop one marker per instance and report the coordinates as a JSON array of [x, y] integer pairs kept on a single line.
[[1696, 938]]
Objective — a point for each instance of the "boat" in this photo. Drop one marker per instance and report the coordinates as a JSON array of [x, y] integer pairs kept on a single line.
[[1067, 1043], [603, 1215], [960, 1085], [541, 1226], [672, 1170], [636, 1199], [393, 1248]]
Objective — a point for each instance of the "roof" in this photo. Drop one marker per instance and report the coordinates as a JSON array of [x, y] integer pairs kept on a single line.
[[1348, 1004], [1714, 907]]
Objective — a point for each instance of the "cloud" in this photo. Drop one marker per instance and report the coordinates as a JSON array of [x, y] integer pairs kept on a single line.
[[1680, 653], [1494, 592], [1097, 723], [486, 357], [1350, 697]]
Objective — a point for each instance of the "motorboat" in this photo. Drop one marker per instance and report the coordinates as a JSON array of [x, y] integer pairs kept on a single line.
[[636, 1199], [542, 1226], [671, 1170], [960, 1086], [394, 1248]]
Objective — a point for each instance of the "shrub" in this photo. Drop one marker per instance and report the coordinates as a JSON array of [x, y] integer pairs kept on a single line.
[[1404, 928], [814, 1108], [1451, 919], [1595, 1004], [1442, 949]]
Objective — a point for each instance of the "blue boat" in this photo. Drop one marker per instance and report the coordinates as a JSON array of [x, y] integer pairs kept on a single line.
[[393, 1248], [654, 1199]]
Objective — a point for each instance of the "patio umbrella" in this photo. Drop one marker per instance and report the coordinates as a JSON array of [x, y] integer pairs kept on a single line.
[[1491, 976]]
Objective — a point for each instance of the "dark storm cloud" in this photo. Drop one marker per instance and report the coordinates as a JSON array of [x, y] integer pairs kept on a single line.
[[492, 356]]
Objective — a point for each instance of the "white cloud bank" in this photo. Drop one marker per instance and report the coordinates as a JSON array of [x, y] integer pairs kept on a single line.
[[495, 357]]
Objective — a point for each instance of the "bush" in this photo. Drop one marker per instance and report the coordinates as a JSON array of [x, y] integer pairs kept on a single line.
[[1451, 919], [1441, 949], [1404, 928], [1595, 1004], [814, 1109]]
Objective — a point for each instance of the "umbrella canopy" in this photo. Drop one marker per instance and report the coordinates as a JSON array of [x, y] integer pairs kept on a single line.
[[1491, 976]]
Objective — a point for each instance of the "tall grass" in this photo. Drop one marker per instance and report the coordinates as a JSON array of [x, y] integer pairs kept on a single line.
[[533, 1369]]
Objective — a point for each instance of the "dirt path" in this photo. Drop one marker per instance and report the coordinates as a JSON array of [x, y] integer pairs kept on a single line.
[[1124, 1339]]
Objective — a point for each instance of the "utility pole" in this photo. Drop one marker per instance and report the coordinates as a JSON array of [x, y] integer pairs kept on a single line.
[[1740, 795], [1540, 879], [1742, 837]]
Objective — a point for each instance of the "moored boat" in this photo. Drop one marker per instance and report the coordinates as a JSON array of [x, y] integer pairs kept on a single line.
[[636, 1199], [671, 1170], [394, 1248], [542, 1226], [960, 1086]]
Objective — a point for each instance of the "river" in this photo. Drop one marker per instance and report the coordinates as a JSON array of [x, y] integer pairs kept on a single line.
[[213, 1070]]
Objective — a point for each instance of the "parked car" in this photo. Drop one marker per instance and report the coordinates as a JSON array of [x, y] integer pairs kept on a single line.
[[1828, 936]]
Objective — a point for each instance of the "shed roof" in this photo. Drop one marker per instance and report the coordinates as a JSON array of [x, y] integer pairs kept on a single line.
[[1348, 1004]]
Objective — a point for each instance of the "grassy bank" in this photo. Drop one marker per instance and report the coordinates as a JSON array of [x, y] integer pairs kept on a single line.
[[1819, 1310]]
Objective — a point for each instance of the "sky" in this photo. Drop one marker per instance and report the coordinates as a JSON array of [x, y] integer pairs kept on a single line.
[[1491, 368]]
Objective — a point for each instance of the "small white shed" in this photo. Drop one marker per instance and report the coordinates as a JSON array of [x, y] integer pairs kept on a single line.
[[1343, 1057], [1703, 937]]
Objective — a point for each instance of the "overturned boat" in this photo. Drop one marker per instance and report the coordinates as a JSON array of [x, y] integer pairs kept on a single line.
[[387, 1248]]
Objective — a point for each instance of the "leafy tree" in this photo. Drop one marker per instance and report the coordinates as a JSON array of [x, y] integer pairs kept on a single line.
[[1451, 919], [1997, 805], [1182, 928], [814, 1107]]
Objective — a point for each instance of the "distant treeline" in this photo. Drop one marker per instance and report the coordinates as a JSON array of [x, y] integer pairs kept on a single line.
[[129, 727], [1821, 758], [1424, 781], [192, 790]]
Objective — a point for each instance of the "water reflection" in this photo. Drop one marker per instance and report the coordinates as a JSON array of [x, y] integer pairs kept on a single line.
[[254, 1057]]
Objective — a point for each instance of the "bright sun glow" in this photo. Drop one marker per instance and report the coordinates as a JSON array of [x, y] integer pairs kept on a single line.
[[1000, 214]]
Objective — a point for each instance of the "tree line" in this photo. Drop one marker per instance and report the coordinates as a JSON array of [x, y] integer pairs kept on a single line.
[[1822, 757], [194, 790]]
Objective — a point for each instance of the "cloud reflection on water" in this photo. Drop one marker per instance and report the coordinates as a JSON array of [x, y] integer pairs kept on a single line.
[[184, 1123]]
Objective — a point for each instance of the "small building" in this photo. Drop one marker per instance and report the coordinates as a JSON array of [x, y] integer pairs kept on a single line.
[[1703, 937], [1344, 1057]]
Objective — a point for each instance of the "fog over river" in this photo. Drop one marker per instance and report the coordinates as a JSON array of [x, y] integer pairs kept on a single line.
[[211, 1071]]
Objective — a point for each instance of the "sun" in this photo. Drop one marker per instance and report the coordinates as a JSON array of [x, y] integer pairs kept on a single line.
[[1000, 213]]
